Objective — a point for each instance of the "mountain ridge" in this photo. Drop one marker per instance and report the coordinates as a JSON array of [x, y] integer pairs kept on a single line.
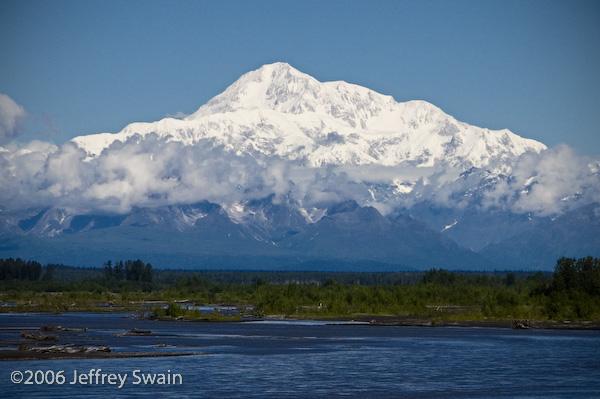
[[277, 110], [280, 167], [346, 234]]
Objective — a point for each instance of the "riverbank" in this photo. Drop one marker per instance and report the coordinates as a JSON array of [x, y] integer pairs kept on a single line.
[[9, 355], [51, 336], [363, 319], [39, 336], [397, 321], [521, 324], [432, 298]]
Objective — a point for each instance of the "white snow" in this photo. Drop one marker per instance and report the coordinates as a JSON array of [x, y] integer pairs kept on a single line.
[[277, 110], [449, 226], [403, 187], [312, 215], [235, 211], [190, 218]]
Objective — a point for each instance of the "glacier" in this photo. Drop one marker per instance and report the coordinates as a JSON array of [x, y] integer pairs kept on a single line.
[[277, 110]]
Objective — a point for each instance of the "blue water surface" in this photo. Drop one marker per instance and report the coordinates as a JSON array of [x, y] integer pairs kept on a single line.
[[319, 360]]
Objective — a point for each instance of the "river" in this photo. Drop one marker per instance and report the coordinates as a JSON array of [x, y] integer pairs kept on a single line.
[[312, 359]]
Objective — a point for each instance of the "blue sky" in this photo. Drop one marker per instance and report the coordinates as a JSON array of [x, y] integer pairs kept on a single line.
[[81, 67]]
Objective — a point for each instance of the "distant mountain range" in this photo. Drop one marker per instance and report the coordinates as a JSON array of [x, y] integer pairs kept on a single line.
[[282, 171]]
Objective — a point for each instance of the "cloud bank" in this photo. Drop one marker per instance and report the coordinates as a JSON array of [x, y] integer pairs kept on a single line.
[[550, 182], [152, 172]]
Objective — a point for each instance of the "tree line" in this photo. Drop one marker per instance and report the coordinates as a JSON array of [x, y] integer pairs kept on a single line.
[[30, 270], [572, 292], [580, 276], [130, 270], [19, 269]]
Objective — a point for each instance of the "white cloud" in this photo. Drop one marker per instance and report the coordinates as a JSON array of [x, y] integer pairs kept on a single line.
[[11, 114], [154, 172], [549, 183]]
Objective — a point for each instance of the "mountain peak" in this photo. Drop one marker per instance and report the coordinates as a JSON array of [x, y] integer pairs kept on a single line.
[[274, 73], [277, 110], [272, 86], [277, 68]]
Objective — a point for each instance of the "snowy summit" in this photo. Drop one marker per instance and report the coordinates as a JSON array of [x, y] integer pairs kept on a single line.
[[277, 110]]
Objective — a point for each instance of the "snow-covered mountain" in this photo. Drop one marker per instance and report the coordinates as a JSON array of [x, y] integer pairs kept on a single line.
[[278, 110], [283, 171]]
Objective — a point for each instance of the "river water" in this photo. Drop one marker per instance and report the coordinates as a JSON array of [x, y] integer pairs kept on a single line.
[[317, 360]]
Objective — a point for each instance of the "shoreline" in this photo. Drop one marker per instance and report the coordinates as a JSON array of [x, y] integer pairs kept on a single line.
[[16, 355], [54, 342], [366, 320]]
